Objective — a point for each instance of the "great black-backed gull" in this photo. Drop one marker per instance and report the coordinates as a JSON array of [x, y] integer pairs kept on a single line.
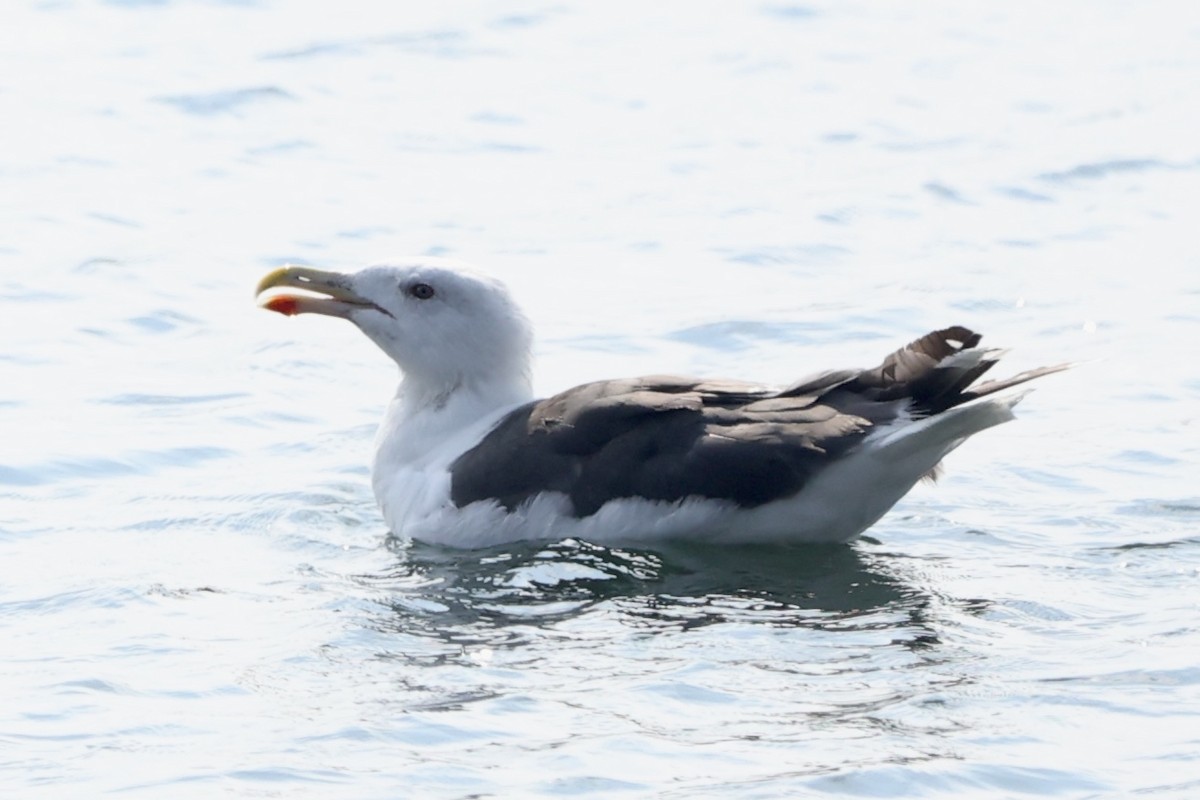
[[466, 457]]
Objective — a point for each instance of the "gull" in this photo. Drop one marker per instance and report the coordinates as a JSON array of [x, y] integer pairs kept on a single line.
[[466, 456]]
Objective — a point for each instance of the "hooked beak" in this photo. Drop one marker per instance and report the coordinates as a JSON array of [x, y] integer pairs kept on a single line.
[[327, 293]]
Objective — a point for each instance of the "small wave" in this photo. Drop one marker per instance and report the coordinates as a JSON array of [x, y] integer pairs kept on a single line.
[[1104, 169], [227, 102], [438, 42], [800, 254]]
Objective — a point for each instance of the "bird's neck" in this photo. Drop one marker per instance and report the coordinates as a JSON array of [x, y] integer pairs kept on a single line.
[[456, 395], [424, 417]]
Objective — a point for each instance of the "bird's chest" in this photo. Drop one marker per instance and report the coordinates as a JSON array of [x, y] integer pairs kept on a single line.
[[413, 454]]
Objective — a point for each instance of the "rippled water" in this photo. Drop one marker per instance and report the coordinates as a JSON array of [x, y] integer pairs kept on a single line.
[[197, 595]]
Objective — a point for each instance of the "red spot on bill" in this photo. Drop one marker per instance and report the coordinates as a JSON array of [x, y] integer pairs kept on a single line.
[[284, 304]]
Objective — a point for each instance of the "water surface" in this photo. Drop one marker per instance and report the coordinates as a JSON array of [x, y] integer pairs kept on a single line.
[[197, 594]]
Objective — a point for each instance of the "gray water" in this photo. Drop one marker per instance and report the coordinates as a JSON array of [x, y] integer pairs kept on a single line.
[[198, 597]]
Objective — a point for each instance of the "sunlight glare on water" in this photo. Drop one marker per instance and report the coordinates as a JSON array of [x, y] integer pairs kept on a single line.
[[197, 594]]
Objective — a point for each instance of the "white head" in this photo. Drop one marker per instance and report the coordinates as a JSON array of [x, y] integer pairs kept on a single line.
[[447, 326]]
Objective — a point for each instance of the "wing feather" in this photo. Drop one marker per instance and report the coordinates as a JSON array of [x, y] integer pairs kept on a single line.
[[666, 437]]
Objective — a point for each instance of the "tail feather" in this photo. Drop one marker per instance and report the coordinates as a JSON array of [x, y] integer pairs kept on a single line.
[[991, 387], [926, 442], [937, 402], [938, 372]]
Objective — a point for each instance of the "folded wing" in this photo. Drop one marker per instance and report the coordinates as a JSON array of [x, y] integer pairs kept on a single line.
[[668, 438]]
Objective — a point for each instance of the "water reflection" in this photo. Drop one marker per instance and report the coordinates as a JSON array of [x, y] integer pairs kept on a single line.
[[501, 597]]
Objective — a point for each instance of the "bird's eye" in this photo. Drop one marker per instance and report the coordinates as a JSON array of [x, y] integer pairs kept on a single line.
[[421, 291]]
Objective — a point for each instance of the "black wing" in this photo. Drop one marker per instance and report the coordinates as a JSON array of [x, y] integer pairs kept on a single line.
[[667, 438]]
